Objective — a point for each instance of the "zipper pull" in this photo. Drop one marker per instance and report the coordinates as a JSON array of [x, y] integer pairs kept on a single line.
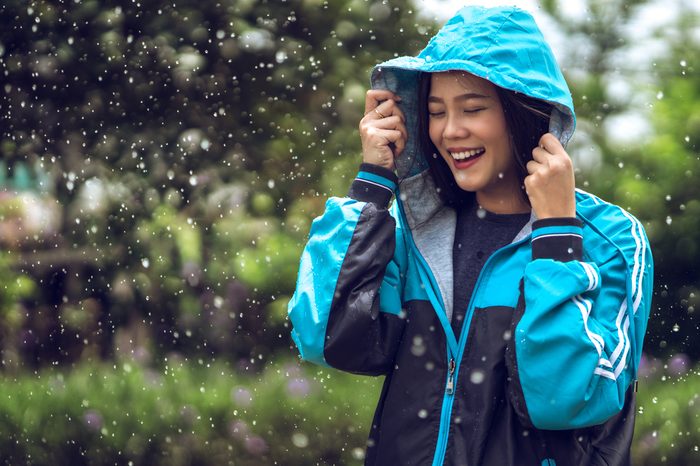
[[450, 380]]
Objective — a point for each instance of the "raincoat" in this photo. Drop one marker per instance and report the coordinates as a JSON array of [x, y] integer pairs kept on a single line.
[[544, 367]]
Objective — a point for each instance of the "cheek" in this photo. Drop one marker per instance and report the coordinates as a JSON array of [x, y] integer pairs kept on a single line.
[[434, 133]]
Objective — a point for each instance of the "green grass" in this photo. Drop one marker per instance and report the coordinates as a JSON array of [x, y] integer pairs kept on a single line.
[[197, 413]]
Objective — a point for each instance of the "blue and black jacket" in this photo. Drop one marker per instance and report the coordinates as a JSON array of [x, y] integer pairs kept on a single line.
[[543, 370]]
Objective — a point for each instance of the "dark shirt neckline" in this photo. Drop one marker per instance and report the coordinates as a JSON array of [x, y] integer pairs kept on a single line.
[[488, 216]]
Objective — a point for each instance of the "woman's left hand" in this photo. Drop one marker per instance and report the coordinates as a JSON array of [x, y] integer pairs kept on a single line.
[[550, 184]]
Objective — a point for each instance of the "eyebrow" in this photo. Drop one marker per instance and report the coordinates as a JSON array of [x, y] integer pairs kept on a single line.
[[467, 96]]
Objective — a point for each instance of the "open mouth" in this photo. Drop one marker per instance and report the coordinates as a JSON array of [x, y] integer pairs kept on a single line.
[[463, 156]]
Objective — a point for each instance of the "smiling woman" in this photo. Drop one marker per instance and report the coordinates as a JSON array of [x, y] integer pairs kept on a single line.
[[506, 308]]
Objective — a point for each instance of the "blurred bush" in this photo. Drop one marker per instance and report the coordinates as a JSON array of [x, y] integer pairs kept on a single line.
[[204, 413], [185, 414], [668, 412]]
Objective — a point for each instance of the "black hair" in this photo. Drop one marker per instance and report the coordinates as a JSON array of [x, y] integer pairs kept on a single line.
[[527, 119]]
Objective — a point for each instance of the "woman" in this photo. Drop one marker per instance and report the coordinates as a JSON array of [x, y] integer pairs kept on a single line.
[[506, 308]]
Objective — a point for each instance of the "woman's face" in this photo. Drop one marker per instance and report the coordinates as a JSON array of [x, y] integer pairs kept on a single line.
[[468, 128]]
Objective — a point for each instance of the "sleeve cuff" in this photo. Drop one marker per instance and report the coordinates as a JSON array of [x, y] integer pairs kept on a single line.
[[374, 184], [560, 239]]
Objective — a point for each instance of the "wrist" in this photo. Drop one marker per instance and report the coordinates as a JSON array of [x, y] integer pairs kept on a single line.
[[374, 183], [557, 238]]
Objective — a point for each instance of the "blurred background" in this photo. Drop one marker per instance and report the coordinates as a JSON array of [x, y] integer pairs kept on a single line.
[[161, 162]]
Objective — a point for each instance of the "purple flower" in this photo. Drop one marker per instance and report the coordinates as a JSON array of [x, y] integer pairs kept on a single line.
[[648, 366], [679, 364], [141, 355], [241, 396], [649, 442], [298, 387], [93, 420], [292, 369], [255, 445], [238, 429]]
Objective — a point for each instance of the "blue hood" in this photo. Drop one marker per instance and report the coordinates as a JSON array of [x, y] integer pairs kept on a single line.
[[504, 46]]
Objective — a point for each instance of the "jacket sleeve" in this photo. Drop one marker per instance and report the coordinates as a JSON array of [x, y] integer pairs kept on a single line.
[[346, 309], [579, 337]]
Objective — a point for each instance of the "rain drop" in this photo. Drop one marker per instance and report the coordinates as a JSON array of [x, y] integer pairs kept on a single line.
[[300, 440], [476, 377]]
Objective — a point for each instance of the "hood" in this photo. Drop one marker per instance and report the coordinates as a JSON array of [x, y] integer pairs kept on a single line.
[[502, 45]]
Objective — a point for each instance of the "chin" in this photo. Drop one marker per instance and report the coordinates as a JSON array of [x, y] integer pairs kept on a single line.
[[465, 184]]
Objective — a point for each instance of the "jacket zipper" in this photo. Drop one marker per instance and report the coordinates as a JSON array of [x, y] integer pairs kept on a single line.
[[453, 366], [450, 377]]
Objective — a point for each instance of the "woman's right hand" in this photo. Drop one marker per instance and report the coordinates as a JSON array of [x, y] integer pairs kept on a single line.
[[382, 129]]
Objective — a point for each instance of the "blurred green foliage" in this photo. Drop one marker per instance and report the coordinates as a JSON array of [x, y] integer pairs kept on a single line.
[[183, 413], [189, 145], [207, 414]]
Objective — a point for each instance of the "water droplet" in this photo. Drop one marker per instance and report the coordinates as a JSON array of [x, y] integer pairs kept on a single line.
[[418, 347], [300, 440], [481, 212], [358, 453], [423, 413], [145, 262], [476, 377], [669, 220]]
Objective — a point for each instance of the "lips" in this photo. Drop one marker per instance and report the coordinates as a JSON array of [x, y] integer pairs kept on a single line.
[[465, 157]]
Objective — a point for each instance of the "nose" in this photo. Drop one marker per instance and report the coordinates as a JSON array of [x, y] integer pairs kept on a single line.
[[455, 128]]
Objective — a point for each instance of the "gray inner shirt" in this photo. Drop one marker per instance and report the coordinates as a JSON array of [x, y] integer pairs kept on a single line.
[[478, 234]]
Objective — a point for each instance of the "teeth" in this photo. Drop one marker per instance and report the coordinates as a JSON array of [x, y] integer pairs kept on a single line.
[[467, 154]]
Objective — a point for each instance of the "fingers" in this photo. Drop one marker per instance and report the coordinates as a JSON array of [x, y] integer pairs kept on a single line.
[[533, 166], [382, 129], [551, 143], [375, 97], [392, 122], [378, 147], [550, 154]]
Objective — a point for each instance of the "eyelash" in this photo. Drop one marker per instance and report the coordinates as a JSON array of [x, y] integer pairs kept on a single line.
[[472, 111]]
